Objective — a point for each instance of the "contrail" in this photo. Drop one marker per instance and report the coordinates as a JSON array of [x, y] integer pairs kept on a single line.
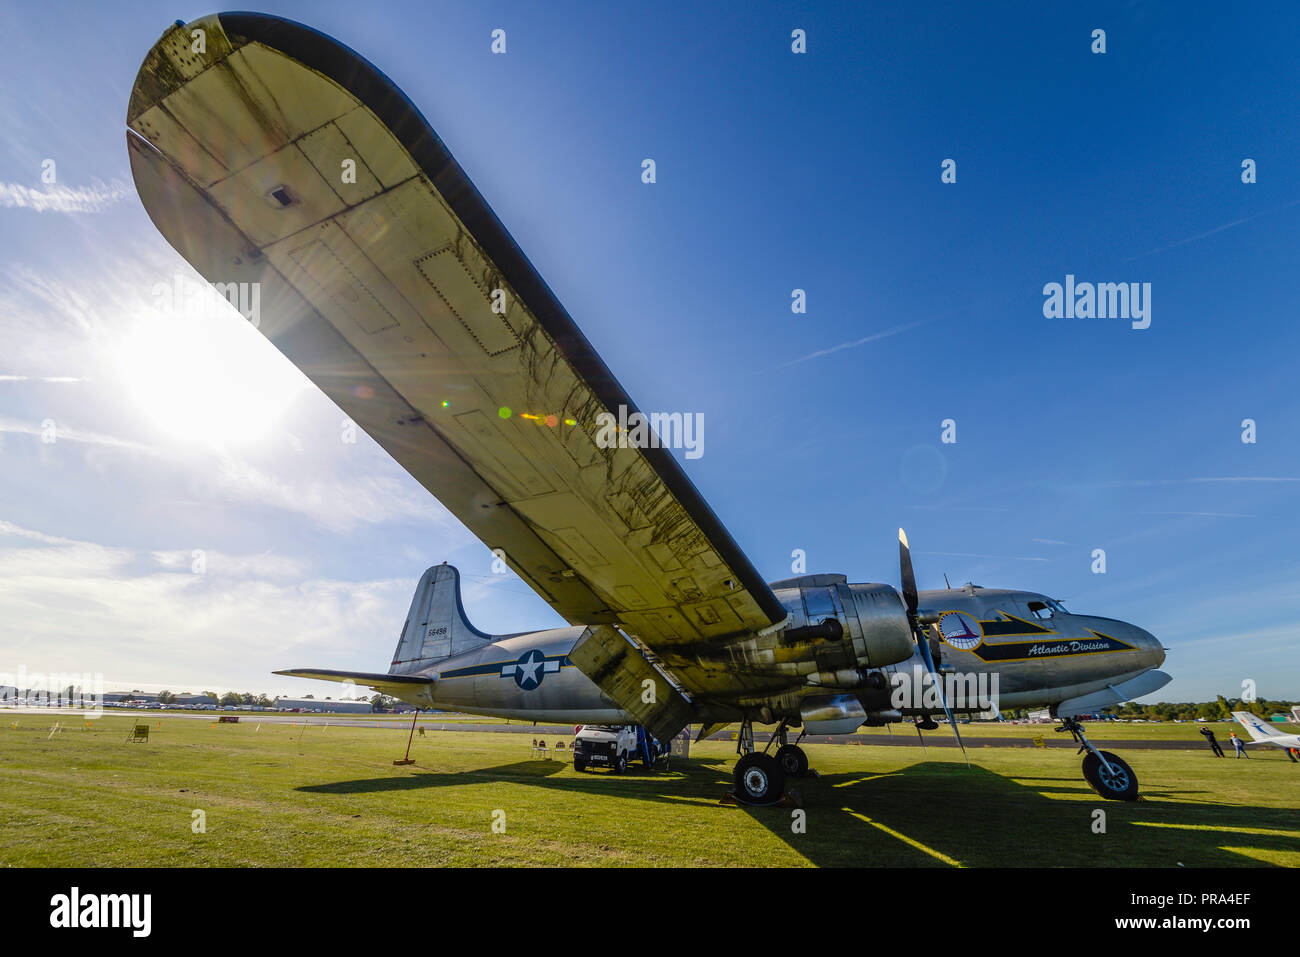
[[858, 342], [1217, 229]]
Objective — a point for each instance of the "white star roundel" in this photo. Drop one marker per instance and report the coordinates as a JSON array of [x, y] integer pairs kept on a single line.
[[960, 630]]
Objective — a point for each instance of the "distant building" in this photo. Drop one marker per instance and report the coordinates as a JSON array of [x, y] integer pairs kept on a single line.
[[132, 695], [324, 705], [196, 699]]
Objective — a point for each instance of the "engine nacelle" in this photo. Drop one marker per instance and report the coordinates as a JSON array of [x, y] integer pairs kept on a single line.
[[886, 637], [872, 621], [835, 635], [831, 714]]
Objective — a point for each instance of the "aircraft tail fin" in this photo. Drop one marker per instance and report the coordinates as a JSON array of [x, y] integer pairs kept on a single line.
[[1256, 726], [436, 626]]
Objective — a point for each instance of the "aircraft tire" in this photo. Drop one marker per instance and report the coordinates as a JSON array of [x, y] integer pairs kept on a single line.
[[1123, 786], [620, 764], [792, 759], [759, 779]]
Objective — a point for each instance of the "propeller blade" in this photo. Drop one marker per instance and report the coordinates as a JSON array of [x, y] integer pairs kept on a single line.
[[924, 647], [908, 578], [905, 572]]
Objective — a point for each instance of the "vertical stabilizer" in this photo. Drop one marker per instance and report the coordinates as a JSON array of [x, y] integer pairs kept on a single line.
[[435, 626]]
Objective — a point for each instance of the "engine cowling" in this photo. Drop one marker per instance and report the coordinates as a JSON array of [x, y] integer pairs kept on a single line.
[[869, 618], [883, 636]]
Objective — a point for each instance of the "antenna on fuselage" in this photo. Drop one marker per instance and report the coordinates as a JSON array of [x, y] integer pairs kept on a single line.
[[945, 582]]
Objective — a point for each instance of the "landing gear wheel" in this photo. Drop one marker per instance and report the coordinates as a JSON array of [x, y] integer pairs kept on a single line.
[[759, 779], [620, 764], [792, 759], [579, 765], [1118, 784]]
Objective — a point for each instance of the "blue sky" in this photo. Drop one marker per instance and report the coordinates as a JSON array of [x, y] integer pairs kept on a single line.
[[775, 171]]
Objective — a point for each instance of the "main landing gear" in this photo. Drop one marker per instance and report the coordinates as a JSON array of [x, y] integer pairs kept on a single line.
[[1108, 774], [760, 777]]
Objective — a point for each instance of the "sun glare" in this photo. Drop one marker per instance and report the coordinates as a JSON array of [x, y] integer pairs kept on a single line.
[[207, 376]]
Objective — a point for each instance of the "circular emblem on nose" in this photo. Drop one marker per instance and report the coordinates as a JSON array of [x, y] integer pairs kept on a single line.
[[960, 630]]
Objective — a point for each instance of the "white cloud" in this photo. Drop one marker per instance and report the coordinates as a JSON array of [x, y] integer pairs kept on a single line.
[[231, 566], [70, 434], [41, 378], [339, 504], [64, 199], [146, 619]]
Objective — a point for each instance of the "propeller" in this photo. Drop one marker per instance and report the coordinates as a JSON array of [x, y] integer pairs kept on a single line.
[[908, 578]]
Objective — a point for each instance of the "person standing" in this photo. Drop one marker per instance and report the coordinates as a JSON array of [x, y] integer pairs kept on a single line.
[[1237, 744], [1214, 742]]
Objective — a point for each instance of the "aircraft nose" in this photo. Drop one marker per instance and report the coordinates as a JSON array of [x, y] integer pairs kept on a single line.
[[1152, 651]]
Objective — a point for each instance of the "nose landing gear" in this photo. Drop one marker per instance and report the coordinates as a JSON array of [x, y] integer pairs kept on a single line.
[[1108, 774]]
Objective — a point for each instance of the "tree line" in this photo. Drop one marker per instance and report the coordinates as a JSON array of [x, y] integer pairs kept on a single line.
[[1218, 710]]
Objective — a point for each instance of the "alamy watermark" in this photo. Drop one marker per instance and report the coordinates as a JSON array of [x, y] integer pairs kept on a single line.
[[668, 430], [37, 692], [209, 299], [1102, 300], [967, 691]]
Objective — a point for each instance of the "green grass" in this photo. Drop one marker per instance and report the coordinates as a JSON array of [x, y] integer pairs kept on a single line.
[[332, 797], [145, 714]]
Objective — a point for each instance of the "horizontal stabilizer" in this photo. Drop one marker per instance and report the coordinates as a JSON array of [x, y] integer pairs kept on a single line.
[[413, 688]]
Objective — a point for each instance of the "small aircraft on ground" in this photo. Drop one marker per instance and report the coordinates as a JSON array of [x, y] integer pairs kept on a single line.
[[268, 153], [1264, 733]]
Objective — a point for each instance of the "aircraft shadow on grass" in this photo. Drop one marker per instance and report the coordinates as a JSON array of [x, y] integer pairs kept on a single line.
[[928, 814]]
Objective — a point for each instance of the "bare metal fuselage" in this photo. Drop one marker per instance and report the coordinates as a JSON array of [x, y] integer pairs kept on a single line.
[[834, 684]]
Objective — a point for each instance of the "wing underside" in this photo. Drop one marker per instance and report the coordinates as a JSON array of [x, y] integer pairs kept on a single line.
[[279, 157]]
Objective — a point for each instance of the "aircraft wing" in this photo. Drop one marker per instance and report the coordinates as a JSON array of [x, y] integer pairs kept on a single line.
[[266, 152]]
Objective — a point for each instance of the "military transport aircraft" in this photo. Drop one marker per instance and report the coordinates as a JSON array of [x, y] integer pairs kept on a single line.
[[266, 152]]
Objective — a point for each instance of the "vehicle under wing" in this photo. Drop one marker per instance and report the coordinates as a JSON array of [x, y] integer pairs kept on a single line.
[[382, 291]]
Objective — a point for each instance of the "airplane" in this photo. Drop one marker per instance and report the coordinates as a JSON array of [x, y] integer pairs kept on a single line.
[[1264, 733], [399, 293]]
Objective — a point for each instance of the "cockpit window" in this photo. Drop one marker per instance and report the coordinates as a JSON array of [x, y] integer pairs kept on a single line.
[[1040, 610]]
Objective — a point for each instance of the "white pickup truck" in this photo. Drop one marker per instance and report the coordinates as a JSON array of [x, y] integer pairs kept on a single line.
[[610, 746]]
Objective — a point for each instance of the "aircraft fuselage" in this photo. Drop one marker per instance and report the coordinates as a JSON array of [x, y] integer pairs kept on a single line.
[[1022, 647]]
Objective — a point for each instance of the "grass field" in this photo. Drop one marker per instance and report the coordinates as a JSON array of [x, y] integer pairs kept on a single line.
[[330, 796]]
